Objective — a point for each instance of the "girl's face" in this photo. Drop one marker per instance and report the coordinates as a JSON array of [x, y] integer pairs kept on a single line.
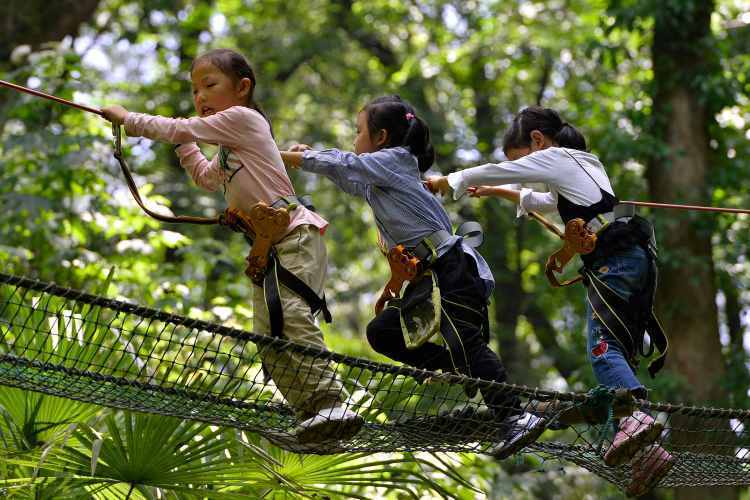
[[515, 153], [364, 142], [214, 91]]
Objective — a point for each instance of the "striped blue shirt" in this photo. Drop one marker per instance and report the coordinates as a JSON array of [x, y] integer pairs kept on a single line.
[[389, 180]]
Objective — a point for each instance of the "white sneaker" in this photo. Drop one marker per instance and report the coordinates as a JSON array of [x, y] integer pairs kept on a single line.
[[523, 430], [330, 424]]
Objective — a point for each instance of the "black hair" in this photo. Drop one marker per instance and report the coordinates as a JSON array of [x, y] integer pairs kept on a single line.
[[404, 127], [548, 122], [235, 66]]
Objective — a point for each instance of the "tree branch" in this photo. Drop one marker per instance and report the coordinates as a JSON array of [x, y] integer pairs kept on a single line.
[[365, 38]]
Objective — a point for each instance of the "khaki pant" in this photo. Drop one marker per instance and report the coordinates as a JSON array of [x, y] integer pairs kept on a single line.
[[308, 384]]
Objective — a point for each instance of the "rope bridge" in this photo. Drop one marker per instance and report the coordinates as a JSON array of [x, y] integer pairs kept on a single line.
[[85, 347]]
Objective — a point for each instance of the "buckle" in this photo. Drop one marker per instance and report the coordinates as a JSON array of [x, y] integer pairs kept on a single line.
[[599, 222], [285, 201]]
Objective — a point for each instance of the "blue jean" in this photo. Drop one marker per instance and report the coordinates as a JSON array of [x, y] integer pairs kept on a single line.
[[625, 272]]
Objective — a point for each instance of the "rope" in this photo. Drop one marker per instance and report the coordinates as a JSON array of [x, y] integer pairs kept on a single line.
[[698, 208], [117, 135], [60, 100]]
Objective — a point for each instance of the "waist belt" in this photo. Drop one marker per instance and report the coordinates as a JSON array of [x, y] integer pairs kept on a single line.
[[426, 250], [409, 264], [286, 201], [621, 213]]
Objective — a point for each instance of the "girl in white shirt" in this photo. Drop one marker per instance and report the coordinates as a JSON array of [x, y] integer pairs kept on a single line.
[[620, 272]]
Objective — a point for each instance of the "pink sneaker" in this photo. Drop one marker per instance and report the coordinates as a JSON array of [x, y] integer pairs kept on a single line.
[[649, 468], [635, 432]]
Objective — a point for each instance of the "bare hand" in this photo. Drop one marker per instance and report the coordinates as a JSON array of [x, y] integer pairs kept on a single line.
[[298, 148], [292, 159], [479, 191], [116, 114], [437, 184]]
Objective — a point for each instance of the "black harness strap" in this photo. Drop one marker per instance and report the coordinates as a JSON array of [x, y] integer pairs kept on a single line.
[[277, 274], [458, 355], [614, 312], [292, 282], [658, 339], [272, 297], [624, 318]]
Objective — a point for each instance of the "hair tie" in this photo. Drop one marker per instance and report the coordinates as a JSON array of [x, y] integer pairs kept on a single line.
[[409, 116]]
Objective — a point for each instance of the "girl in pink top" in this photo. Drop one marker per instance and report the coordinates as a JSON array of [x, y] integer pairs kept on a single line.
[[248, 168]]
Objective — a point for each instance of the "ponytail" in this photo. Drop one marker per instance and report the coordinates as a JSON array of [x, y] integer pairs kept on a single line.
[[404, 127], [235, 66], [569, 137], [549, 123]]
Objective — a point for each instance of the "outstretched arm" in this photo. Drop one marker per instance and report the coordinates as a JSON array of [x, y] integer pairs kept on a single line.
[[354, 174], [526, 199], [229, 127], [541, 166], [500, 191], [206, 174]]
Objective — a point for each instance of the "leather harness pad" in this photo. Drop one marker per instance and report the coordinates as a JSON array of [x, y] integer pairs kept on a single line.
[[266, 225], [404, 267], [578, 239]]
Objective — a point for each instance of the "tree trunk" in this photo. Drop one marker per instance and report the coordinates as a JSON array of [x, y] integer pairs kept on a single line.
[[687, 287], [34, 22]]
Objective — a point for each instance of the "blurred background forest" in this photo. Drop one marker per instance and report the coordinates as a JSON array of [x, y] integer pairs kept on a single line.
[[660, 89]]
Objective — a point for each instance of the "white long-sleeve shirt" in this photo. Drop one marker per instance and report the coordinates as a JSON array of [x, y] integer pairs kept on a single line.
[[555, 167]]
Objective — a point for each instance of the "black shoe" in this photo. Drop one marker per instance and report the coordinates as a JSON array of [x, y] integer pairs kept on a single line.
[[523, 430]]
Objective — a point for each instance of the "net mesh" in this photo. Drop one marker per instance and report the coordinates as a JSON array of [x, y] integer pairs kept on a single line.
[[85, 347]]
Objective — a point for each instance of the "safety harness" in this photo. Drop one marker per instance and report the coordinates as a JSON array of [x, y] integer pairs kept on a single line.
[[602, 236], [421, 308]]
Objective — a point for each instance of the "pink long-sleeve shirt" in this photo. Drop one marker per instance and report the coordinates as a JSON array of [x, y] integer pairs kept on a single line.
[[253, 170]]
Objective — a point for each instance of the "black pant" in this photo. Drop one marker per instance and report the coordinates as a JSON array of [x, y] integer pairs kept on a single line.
[[460, 288]]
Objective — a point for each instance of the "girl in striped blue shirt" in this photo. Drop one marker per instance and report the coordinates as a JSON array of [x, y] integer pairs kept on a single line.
[[391, 151]]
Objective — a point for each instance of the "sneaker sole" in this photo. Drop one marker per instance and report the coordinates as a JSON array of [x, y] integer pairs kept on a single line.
[[330, 430], [527, 439], [643, 487], [630, 447]]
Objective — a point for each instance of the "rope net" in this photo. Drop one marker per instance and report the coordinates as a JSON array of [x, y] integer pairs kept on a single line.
[[85, 347]]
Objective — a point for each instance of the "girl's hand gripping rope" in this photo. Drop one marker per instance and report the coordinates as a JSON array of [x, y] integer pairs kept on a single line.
[[116, 114]]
